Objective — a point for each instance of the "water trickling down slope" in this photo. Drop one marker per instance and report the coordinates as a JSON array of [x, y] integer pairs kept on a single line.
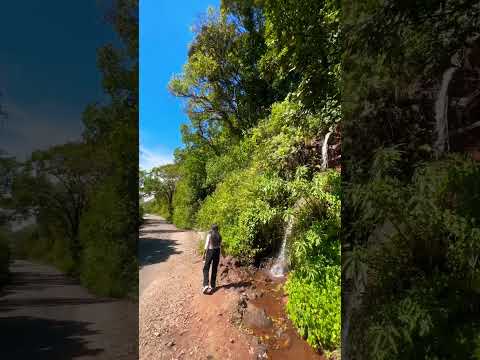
[[441, 112], [280, 265], [325, 151]]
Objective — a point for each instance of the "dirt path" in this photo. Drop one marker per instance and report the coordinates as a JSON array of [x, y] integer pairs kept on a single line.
[[45, 315], [176, 320]]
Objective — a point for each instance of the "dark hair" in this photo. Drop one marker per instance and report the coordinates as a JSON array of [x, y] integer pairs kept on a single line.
[[215, 227]]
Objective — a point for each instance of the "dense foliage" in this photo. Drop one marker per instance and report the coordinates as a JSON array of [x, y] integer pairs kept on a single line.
[[84, 195], [7, 164], [314, 284], [247, 216], [410, 216], [261, 89], [5, 257]]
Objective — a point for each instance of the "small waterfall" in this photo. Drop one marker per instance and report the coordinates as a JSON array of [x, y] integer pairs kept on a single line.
[[279, 267], [325, 151], [441, 112]]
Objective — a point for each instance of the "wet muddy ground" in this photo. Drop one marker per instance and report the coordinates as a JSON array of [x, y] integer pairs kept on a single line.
[[282, 340]]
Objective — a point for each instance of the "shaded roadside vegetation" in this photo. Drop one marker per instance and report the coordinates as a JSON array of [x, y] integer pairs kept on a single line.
[[83, 195], [411, 215], [5, 258], [261, 89], [7, 165]]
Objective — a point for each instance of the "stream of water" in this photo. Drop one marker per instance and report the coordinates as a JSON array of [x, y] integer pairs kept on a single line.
[[441, 112], [325, 151], [280, 265]]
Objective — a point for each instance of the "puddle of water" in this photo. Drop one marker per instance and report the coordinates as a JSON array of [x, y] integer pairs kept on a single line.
[[282, 340]]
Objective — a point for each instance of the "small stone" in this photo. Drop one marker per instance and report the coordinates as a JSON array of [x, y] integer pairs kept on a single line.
[[171, 343], [286, 341], [156, 333], [232, 341]]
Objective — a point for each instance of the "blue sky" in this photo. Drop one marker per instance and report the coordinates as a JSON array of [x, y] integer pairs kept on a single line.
[[164, 38], [48, 70]]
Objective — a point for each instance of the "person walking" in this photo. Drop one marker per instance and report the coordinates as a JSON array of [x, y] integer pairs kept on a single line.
[[211, 255]]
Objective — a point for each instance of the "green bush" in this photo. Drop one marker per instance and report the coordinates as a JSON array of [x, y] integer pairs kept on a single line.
[[316, 242], [184, 206], [46, 244], [26, 242], [105, 268], [158, 207], [60, 256], [108, 265], [314, 285], [5, 258], [314, 308]]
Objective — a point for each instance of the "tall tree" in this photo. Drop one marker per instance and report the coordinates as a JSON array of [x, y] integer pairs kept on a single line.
[[161, 182], [221, 81], [54, 185]]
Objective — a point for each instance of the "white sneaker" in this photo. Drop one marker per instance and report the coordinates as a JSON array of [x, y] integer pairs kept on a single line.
[[205, 289]]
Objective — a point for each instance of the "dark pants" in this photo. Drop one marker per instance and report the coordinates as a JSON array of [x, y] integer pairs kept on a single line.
[[212, 257]]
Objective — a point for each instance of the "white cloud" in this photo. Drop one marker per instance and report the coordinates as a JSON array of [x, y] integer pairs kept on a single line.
[[150, 158]]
